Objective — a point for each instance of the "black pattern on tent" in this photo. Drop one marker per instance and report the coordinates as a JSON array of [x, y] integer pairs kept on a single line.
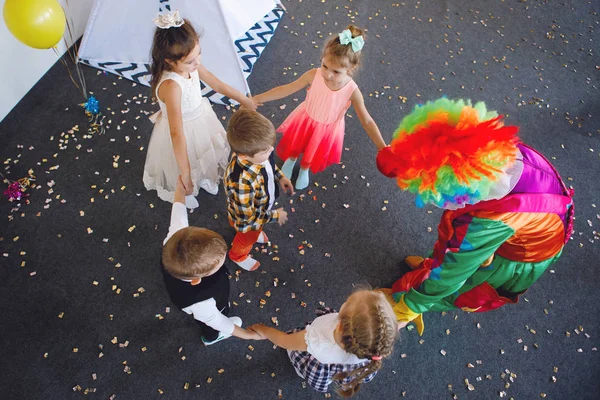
[[249, 48]]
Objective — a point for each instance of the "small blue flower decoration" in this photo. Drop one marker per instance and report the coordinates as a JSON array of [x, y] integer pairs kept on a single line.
[[92, 106]]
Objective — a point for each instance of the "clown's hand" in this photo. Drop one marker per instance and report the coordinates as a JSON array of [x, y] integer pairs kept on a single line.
[[385, 162], [404, 315]]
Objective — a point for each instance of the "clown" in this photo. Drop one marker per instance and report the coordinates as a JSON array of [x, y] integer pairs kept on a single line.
[[507, 212]]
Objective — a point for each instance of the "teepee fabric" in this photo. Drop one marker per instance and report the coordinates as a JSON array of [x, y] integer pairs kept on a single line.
[[118, 37]]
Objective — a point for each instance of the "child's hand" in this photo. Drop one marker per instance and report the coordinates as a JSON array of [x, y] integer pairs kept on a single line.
[[257, 100], [283, 217], [254, 335], [186, 181], [248, 102], [257, 328], [179, 191], [286, 185]]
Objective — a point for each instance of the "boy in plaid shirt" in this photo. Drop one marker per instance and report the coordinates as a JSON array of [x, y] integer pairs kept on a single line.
[[250, 184]]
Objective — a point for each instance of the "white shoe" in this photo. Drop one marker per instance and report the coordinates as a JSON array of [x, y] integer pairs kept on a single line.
[[191, 202], [262, 238], [248, 264], [236, 321]]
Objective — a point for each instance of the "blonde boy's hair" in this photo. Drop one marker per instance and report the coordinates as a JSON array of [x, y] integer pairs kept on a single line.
[[250, 132], [193, 252]]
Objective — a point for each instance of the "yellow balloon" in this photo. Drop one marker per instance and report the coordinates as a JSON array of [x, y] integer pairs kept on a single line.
[[37, 23]]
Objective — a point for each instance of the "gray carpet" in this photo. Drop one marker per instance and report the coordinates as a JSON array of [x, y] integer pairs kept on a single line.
[[84, 310]]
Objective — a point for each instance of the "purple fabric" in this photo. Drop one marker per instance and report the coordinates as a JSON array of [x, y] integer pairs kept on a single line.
[[529, 202], [538, 175]]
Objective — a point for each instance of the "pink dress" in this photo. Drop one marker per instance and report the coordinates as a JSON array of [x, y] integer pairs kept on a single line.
[[316, 127]]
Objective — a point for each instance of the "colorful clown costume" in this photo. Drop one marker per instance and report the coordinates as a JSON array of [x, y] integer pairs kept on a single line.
[[491, 248]]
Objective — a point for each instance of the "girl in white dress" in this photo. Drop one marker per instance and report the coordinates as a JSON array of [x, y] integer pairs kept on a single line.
[[344, 348], [188, 138]]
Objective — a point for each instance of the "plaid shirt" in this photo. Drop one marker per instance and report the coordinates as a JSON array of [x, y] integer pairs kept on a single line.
[[247, 195], [319, 376]]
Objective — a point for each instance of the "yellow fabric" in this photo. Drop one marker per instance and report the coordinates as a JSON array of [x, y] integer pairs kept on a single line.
[[403, 313]]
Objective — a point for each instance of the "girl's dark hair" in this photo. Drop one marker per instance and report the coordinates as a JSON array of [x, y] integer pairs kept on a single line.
[[368, 329], [171, 44]]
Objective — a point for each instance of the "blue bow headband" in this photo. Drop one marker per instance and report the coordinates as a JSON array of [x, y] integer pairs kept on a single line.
[[346, 38]]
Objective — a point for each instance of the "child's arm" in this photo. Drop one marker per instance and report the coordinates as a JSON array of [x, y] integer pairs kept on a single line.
[[179, 215], [170, 93], [207, 312], [365, 119], [246, 334], [282, 91], [292, 341], [179, 191], [284, 181], [219, 86]]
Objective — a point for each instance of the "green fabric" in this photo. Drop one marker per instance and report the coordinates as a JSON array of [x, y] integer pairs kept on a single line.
[[460, 270], [520, 275]]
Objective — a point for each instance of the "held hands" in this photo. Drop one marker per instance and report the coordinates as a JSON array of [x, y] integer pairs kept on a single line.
[[179, 191], [258, 100], [283, 216], [250, 102], [385, 162], [253, 335], [258, 329], [186, 181], [286, 185]]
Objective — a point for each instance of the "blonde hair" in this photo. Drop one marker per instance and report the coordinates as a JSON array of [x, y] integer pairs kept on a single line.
[[368, 330], [250, 132], [192, 252], [343, 54]]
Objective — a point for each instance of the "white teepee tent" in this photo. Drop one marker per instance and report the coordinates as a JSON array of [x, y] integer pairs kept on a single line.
[[118, 36]]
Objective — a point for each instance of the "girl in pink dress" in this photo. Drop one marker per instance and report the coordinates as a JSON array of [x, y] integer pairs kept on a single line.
[[315, 129]]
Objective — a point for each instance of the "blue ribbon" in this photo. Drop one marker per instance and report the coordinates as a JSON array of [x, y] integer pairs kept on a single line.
[[346, 38]]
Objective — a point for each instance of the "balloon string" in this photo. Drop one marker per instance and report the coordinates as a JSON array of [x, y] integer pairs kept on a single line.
[[64, 63], [73, 51]]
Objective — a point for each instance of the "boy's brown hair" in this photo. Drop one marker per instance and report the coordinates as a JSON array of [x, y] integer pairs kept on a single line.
[[249, 132], [192, 252]]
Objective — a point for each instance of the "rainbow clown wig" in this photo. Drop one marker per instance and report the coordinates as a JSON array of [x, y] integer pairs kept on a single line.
[[450, 153]]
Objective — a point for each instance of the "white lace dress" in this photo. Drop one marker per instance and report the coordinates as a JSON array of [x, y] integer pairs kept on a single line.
[[208, 150]]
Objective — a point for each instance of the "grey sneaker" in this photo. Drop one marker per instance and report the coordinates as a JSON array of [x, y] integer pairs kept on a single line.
[[236, 321]]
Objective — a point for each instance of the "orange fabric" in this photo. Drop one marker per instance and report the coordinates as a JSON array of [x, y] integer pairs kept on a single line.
[[538, 236], [242, 244]]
